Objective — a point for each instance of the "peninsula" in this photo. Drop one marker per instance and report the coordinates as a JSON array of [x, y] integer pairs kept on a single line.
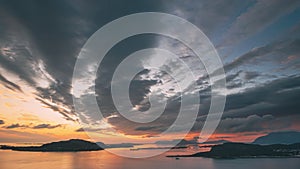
[[242, 150]]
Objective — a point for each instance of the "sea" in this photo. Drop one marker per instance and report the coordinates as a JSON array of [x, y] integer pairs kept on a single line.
[[107, 160]]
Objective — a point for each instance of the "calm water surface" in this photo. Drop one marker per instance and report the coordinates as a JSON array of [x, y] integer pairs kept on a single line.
[[104, 160]]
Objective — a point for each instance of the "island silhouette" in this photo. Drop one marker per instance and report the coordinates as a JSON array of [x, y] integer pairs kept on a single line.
[[71, 145], [242, 150], [287, 146]]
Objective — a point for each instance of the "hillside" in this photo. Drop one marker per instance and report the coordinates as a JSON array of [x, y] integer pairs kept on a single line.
[[61, 146], [241, 150]]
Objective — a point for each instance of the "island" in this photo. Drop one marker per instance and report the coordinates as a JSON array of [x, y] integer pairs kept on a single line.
[[72, 145], [242, 150]]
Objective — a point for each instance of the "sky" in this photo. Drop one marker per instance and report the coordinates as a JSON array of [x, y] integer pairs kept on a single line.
[[257, 41]]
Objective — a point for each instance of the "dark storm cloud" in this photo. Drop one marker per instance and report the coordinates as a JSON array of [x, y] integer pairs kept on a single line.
[[240, 78], [146, 128], [138, 89], [21, 64], [1, 122], [10, 84], [57, 27], [36, 37], [51, 30], [46, 126], [258, 102], [233, 76], [162, 123], [278, 98], [268, 106], [252, 123], [53, 33]]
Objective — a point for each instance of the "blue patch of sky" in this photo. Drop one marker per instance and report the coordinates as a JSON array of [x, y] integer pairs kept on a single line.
[[218, 35], [277, 31]]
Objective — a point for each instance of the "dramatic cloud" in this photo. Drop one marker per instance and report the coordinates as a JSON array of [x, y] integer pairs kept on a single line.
[[44, 56], [279, 97], [40, 42], [248, 124], [146, 128], [256, 124], [254, 109]]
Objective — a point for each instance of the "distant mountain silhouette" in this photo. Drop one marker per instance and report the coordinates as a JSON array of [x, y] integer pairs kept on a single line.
[[61, 146], [242, 150], [288, 137], [216, 142], [189, 142], [178, 142], [121, 145]]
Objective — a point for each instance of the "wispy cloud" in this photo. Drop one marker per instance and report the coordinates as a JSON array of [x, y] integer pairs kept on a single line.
[[30, 126], [46, 126], [258, 17], [16, 125], [10, 84]]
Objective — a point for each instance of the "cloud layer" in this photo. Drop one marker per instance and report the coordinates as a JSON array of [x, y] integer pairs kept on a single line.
[[40, 41]]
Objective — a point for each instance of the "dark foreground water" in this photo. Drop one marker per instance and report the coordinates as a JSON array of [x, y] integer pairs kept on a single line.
[[105, 160]]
